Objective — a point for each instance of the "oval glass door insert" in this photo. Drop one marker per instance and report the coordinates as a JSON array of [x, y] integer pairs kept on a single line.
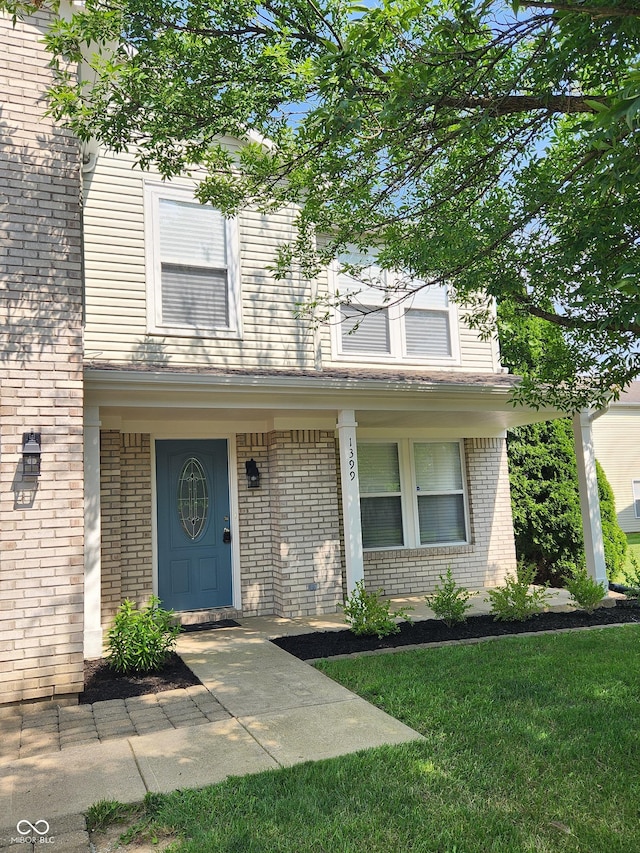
[[193, 498]]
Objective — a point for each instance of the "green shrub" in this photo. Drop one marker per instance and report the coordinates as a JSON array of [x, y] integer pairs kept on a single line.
[[515, 601], [547, 521], [449, 601], [140, 640], [632, 578], [367, 614], [584, 590]]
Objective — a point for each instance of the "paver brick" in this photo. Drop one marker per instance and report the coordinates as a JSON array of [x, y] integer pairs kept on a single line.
[[101, 707], [186, 714], [79, 740], [78, 731], [75, 712], [149, 728], [108, 732], [220, 714], [170, 695], [109, 713], [148, 700]]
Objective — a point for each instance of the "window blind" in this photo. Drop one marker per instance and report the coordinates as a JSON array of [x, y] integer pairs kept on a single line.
[[193, 261], [441, 518], [381, 522], [192, 234], [371, 334], [427, 333], [379, 468], [437, 466], [194, 297]]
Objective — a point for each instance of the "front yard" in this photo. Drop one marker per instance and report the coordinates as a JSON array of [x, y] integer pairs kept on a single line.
[[633, 541], [532, 744]]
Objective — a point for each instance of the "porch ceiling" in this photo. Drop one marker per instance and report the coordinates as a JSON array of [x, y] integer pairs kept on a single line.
[[166, 402]]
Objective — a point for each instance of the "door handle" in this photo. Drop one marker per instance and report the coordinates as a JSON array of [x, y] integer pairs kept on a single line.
[[226, 535]]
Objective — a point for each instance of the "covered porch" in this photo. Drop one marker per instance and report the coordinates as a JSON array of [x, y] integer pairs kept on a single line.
[[295, 544]]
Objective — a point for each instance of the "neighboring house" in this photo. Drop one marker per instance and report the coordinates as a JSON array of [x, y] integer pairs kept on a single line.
[[197, 439], [616, 436]]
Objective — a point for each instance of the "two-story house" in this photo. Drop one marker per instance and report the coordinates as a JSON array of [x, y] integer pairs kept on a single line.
[[169, 424], [249, 463]]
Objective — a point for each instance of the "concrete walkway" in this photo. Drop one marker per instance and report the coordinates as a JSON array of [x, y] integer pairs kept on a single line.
[[259, 708], [274, 711]]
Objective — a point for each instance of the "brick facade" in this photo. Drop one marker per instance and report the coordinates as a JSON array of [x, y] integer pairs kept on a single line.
[[291, 553], [306, 550], [255, 533], [489, 556], [41, 523], [125, 510]]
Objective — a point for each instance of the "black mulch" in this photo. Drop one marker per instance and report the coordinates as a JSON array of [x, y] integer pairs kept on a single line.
[[324, 644], [209, 626], [102, 683]]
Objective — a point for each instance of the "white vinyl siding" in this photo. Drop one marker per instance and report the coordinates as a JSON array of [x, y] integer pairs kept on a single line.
[[411, 493], [269, 335], [617, 449], [192, 280], [376, 321], [118, 310]]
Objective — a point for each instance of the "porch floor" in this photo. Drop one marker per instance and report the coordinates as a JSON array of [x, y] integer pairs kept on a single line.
[[278, 626]]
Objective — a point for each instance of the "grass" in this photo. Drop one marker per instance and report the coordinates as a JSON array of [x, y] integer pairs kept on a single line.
[[531, 745], [633, 541]]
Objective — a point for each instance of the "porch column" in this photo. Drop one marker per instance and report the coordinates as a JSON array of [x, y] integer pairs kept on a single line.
[[92, 581], [589, 499], [350, 497]]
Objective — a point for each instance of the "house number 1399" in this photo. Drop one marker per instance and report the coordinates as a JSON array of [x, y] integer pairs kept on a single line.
[[352, 461]]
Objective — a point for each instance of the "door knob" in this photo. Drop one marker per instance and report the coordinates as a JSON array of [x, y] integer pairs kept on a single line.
[[226, 535]]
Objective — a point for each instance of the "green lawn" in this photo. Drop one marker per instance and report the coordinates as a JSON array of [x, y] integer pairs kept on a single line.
[[532, 744], [633, 540]]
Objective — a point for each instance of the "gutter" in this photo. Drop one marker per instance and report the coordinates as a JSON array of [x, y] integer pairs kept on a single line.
[[117, 378]]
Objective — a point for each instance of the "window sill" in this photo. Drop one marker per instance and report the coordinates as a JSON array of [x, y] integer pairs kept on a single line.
[[374, 360], [206, 334], [441, 549]]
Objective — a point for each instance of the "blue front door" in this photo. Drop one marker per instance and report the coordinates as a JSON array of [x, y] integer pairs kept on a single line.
[[194, 550]]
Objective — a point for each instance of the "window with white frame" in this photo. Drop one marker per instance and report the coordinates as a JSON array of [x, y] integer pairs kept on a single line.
[[192, 265], [635, 485], [412, 493], [376, 323]]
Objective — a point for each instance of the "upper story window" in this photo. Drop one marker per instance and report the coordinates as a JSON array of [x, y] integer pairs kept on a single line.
[[422, 328], [193, 283]]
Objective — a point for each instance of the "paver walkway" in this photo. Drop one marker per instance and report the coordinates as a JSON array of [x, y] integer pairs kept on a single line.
[[259, 708], [33, 730]]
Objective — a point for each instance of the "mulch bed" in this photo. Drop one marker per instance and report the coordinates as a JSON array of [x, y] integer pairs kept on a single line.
[[323, 644], [102, 683]]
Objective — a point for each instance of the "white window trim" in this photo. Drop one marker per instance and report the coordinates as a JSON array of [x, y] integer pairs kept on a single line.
[[409, 494], [397, 336], [152, 194], [635, 493]]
